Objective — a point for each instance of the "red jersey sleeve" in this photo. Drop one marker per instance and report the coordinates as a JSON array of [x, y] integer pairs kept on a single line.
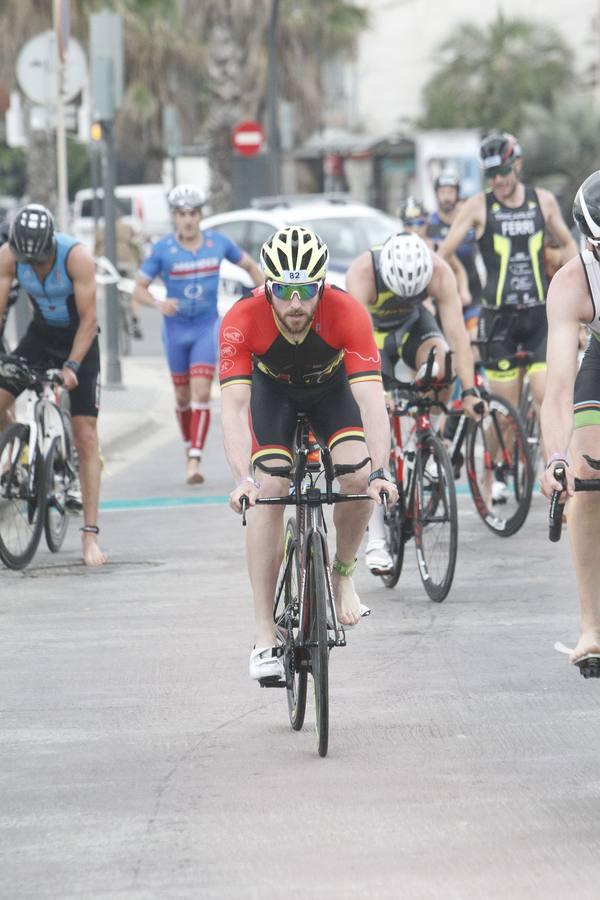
[[354, 334], [235, 353]]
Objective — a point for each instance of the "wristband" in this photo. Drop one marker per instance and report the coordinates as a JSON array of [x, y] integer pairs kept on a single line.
[[251, 480], [73, 365], [382, 473], [556, 457]]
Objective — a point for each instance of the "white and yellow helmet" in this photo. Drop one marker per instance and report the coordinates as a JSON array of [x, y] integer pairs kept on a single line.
[[294, 255]]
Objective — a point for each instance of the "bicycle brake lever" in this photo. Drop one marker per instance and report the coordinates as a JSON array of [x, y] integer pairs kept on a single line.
[[384, 500], [244, 504]]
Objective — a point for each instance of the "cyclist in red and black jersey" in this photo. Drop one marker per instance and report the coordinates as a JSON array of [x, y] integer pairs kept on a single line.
[[300, 344]]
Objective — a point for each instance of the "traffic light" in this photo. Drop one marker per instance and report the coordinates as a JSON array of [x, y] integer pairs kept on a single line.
[[96, 131]]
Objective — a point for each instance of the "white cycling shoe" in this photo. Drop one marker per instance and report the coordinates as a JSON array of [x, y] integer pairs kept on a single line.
[[499, 492], [378, 558], [264, 663]]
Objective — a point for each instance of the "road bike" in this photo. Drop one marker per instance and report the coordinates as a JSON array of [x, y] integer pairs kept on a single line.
[[304, 611], [426, 509], [39, 480]]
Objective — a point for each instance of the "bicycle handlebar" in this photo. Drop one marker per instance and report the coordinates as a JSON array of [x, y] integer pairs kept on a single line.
[[556, 507], [17, 370]]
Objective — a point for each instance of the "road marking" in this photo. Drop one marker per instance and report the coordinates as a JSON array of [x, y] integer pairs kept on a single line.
[[161, 503]]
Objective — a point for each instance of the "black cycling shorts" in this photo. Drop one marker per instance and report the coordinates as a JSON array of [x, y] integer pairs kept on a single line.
[[331, 409], [44, 349], [404, 341], [525, 329], [587, 387]]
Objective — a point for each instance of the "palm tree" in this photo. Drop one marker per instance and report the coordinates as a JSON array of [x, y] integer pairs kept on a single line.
[[488, 76]]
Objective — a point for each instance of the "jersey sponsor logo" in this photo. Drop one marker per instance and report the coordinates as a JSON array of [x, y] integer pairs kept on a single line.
[[514, 228], [228, 350], [226, 366], [233, 336], [193, 291]]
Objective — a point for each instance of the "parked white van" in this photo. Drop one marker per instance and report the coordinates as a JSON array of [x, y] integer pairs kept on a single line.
[[143, 205]]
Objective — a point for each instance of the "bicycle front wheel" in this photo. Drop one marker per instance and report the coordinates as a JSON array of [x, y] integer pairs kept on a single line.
[[435, 518], [317, 641], [22, 497], [56, 520], [287, 620], [499, 468], [531, 423]]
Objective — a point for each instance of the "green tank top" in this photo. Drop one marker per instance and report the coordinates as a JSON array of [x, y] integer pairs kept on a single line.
[[390, 310], [512, 249]]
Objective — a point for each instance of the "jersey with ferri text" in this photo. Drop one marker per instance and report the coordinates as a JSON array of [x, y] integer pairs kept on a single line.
[[191, 276], [340, 334], [53, 298], [512, 246]]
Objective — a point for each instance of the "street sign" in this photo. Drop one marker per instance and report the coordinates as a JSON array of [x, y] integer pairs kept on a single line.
[[247, 138], [106, 56], [37, 69]]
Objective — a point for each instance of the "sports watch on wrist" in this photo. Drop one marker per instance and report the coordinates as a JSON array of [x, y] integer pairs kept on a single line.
[[73, 365], [385, 474], [470, 392]]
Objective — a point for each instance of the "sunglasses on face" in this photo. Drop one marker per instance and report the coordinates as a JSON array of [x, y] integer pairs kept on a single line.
[[414, 223], [506, 169], [287, 291]]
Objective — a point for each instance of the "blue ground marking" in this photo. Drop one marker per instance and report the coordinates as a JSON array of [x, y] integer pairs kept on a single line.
[[161, 502], [166, 502]]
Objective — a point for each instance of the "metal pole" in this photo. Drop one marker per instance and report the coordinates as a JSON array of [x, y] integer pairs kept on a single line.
[[274, 143], [61, 147], [113, 364], [95, 161]]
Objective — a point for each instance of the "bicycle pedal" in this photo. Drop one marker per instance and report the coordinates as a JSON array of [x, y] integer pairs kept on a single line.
[[272, 681], [590, 667]]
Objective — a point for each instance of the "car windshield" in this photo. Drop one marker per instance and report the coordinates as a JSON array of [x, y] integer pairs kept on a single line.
[[347, 237]]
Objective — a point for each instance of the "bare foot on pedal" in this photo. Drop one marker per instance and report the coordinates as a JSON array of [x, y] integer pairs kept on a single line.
[[347, 602], [588, 643], [193, 474]]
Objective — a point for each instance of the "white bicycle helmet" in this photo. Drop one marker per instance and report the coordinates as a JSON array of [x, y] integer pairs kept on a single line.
[[186, 196], [406, 264]]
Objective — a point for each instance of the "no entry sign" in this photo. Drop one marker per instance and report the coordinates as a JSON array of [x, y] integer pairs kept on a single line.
[[247, 138]]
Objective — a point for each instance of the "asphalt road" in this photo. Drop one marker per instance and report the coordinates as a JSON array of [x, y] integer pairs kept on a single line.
[[137, 759]]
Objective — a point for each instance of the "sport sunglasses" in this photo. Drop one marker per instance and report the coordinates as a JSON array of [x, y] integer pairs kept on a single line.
[[505, 169], [284, 291]]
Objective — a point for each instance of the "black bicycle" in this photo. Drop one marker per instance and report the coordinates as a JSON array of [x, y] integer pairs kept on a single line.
[[304, 609], [498, 450], [38, 468], [426, 508]]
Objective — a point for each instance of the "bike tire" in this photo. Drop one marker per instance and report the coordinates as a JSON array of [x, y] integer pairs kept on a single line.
[[296, 678], [29, 508], [316, 601], [503, 425], [531, 421], [435, 518], [56, 520], [395, 532]]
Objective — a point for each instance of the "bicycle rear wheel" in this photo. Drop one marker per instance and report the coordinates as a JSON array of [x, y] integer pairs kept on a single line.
[[499, 468], [287, 620], [56, 520], [22, 497], [395, 532], [435, 518], [531, 422], [316, 602]]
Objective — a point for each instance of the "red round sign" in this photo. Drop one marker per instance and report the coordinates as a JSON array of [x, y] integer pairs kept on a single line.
[[247, 138]]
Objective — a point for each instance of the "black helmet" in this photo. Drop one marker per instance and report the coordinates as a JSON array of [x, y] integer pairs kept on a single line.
[[586, 208], [499, 149], [31, 237], [412, 212], [447, 179]]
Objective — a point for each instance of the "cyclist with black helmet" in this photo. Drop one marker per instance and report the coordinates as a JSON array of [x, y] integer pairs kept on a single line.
[[393, 282], [188, 262], [59, 276], [510, 220], [571, 407], [300, 344], [447, 196]]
